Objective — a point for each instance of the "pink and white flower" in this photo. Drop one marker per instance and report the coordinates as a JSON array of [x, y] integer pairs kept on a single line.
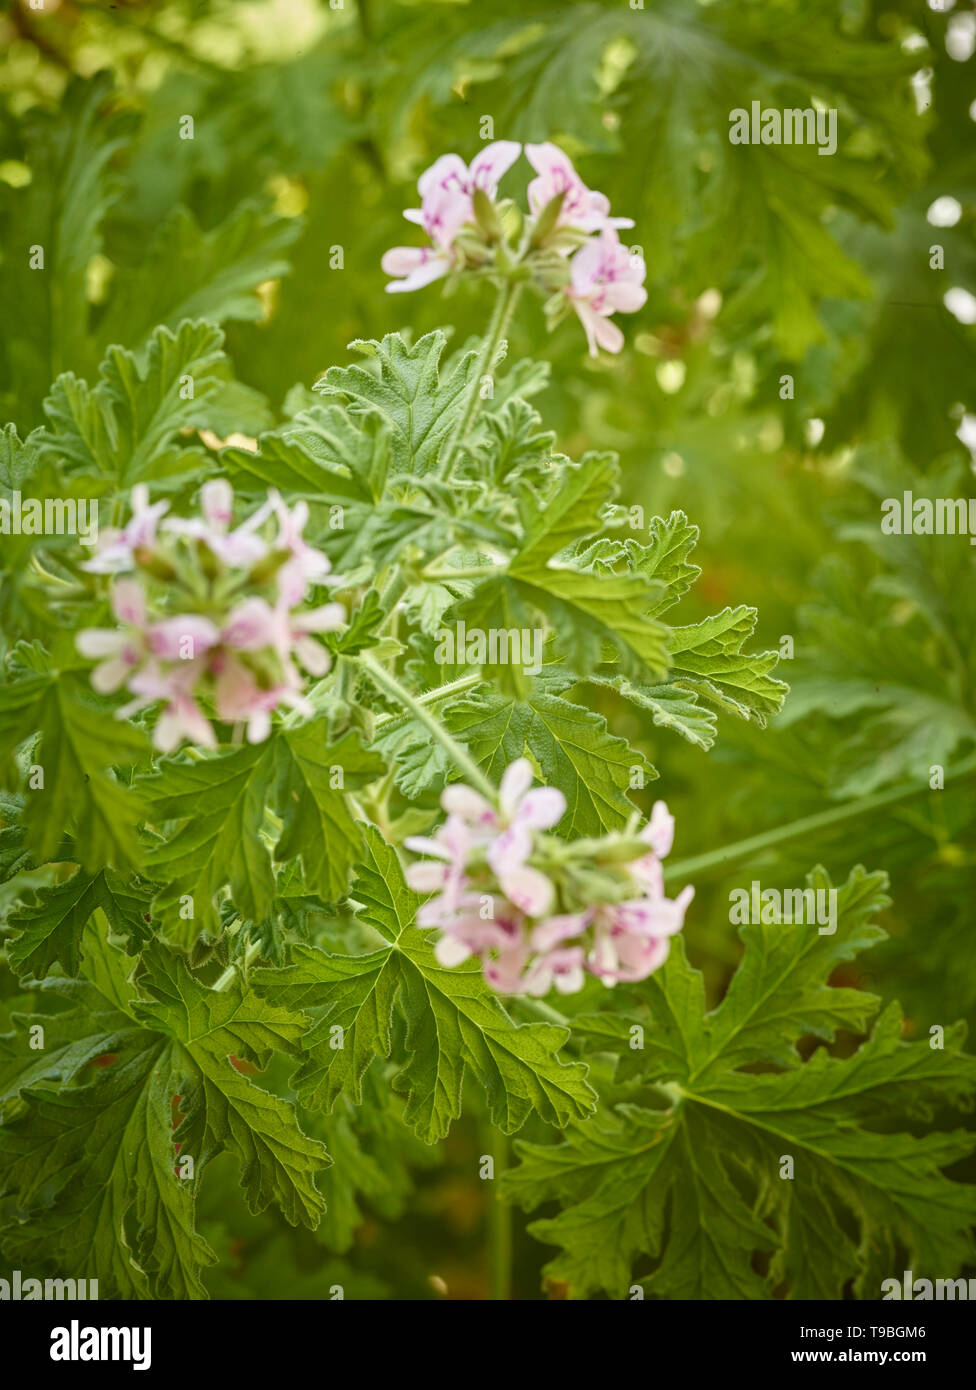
[[116, 549], [508, 831], [119, 651], [413, 267], [245, 654], [240, 549], [305, 565], [605, 279], [582, 208], [447, 192], [631, 939], [489, 901], [522, 812], [239, 697], [561, 968], [447, 189], [181, 717], [445, 876]]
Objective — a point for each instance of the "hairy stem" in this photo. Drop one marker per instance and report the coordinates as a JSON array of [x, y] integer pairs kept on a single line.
[[390, 685], [224, 981], [543, 1011], [822, 820], [472, 572], [501, 317], [434, 697]]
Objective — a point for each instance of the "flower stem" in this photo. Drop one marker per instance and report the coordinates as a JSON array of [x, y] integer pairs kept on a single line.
[[822, 820], [433, 697], [224, 981], [501, 317], [543, 1011], [388, 683], [472, 572]]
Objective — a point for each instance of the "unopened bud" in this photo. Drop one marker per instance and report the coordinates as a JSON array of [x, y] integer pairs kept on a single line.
[[154, 563], [268, 567], [622, 850], [547, 219], [486, 215]]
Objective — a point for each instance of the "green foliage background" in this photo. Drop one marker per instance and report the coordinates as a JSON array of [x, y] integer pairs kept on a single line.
[[311, 126]]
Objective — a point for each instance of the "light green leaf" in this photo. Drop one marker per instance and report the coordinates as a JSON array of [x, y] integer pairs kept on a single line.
[[707, 658], [188, 273], [571, 745], [126, 426], [402, 383], [50, 928]]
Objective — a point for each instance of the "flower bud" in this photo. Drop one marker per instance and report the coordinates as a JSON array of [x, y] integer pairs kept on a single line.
[[486, 216], [155, 563], [268, 567], [546, 221]]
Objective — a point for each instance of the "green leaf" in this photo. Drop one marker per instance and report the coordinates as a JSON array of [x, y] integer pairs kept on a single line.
[[126, 426], [590, 594], [61, 210], [666, 556], [707, 658], [188, 273], [690, 1194], [50, 928], [373, 1155], [671, 706], [450, 1021], [277, 1161], [363, 629], [95, 1163], [319, 823], [419, 761], [571, 745], [340, 465], [219, 801], [883, 670], [403, 385], [79, 792]]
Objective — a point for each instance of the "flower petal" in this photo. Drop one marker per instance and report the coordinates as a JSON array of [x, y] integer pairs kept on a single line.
[[541, 808], [528, 889], [516, 781]]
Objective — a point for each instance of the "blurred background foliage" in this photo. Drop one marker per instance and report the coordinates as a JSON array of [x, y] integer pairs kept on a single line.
[[311, 123]]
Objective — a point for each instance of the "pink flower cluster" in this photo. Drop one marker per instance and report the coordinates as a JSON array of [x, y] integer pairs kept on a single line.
[[447, 190], [604, 277], [507, 893], [209, 615]]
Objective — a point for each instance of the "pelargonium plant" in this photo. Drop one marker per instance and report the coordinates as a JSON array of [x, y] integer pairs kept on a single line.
[[343, 759]]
